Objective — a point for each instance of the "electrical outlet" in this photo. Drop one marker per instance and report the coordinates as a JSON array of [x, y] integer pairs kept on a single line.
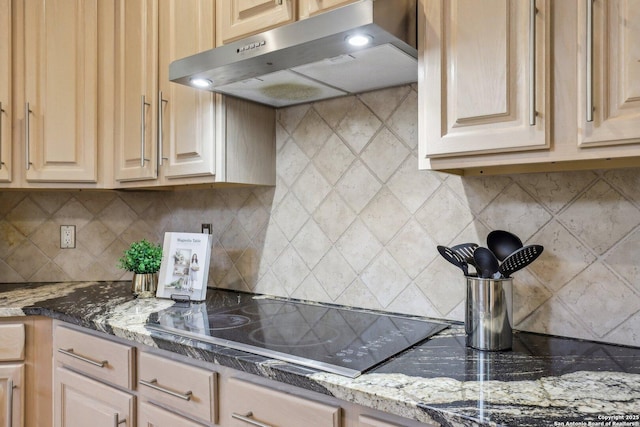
[[206, 229], [67, 236]]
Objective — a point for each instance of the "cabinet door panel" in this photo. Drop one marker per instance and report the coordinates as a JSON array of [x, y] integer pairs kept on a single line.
[[313, 7], [81, 402], [136, 98], [5, 91], [188, 114], [477, 77], [11, 394], [61, 87], [616, 73], [238, 18]]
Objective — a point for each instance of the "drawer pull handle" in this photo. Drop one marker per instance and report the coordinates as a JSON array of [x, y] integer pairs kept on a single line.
[[589, 65], [117, 421], [69, 352], [1, 111], [247, 419], [10, 387], [532, 62], [154, 385]]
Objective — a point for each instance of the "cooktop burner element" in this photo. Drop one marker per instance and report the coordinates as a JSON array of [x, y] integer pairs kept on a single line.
[[342, 341]]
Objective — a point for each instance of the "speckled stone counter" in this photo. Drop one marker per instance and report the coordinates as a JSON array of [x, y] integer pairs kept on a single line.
[[543, 381]]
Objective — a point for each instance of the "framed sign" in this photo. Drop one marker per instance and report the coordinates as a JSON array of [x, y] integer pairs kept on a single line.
[[185, 266]]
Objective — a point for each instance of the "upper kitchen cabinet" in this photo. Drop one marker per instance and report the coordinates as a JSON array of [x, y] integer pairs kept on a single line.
[[61, 90], [169, 134], [5, 91], [55, 91], [239, 18], [312, 7], [136, 84], [482, 113], [484, 78], [609, 73]]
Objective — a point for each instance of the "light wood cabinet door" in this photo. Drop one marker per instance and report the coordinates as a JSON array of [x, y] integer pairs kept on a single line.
[[6, 104], [313, 7], [153, 416], [240, 18], [136, 99], [12, 395], [608, 72], [61, 90], [81, 402], [484, 77], [187, 115]]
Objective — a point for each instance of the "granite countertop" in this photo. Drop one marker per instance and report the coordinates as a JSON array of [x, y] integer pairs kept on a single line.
[[543, 381]]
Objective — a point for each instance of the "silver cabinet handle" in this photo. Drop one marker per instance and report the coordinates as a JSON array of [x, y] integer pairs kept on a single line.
[[27, 112], [532, 62], [246, 418], [70, 352], [1, 111], [10, 388], [117, 421], [161, 102], [154, 385], [143, 130], [589, 64]]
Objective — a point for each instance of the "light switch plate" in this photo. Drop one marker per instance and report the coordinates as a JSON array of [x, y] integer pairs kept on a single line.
[[67, 236]]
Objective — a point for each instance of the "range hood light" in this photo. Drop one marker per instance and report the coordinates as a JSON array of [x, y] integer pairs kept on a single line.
[[201, 83], [359, 40]]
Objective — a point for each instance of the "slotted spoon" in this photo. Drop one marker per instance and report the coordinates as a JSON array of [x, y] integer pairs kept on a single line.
[[520, 259]]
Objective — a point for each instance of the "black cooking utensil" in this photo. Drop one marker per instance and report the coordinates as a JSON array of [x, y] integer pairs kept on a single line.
[[502, 243], [466, 251], [454, 258], [520, 259], [486, 263]]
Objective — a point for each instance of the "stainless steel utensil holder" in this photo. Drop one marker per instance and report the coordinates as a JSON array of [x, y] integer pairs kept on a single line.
[[489, 313]]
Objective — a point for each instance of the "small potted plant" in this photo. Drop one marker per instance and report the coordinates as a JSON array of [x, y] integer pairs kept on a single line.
[[143, 259]]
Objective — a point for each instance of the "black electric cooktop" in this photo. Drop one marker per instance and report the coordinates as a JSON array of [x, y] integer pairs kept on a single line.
[[342, 341]]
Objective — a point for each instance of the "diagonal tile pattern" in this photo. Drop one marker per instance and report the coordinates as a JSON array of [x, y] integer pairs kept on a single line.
[[353, 221]]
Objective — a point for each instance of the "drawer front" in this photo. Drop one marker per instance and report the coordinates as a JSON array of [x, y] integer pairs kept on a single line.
[[365, 421], [171, 384], [248, 402], [11, 342], [97, 357], [151, 416]]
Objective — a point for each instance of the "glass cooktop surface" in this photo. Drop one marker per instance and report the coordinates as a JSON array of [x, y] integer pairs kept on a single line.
[[343, 341]]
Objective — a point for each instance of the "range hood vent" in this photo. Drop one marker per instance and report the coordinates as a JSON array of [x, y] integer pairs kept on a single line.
[[311, 59]]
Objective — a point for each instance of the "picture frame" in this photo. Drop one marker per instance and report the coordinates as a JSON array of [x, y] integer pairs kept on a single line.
[[184, 270]]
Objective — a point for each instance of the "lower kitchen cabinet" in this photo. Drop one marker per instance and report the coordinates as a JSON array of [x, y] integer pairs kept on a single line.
[[25, 372], [93, 386], [89, 378], [81, 401]]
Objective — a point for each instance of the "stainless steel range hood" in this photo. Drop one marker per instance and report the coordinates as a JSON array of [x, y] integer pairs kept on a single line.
[[311, 59]]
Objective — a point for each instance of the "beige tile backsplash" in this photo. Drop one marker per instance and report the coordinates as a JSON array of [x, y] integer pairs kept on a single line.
[[353, 221]]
